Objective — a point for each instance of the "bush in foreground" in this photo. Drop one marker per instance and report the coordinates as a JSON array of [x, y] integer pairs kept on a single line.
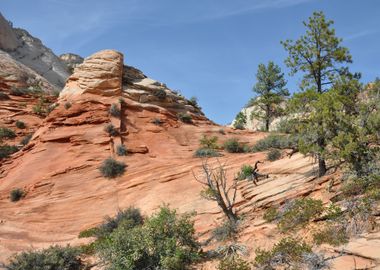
[[52, 258], [165, 241], [112, 168], [16, 194]]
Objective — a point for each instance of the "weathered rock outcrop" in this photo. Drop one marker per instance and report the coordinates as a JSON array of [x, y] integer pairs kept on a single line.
[[30, 51], [71, 60], [101, 74]]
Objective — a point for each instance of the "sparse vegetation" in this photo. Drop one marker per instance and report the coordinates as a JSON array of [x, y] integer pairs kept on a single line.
[[245, 172], [274, 154], [20, 124], [54, 257], [121, 150], [111, 130], [233, 146], [16, 194], [193, 101], [7, 150], [226, 231], [3, 96], [160, 94], [209, 142], [332, 234], [185, 118], [290, 253], [271, 214], [206, 152], [6, 133], [112, 168], [115, 111], [44, 106], [166, 240], [18, 92], [275, 142], [233, 262]]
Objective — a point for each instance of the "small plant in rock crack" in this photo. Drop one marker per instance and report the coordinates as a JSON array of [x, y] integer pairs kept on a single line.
[[115, 111], [121, 150], [20, 124], [111, 130], [16, 194]]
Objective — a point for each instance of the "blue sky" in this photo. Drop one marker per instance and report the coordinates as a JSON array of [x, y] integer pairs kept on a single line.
[[206, 48]]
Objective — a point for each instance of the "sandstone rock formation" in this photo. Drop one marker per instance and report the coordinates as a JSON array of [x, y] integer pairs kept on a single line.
[[66, 192], [30, 51]]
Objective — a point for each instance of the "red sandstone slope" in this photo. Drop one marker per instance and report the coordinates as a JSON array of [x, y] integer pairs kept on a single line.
[[66, 193]]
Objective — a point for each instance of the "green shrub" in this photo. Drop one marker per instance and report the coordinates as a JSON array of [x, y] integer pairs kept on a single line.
[[67, 105], [274, 154], [275, 141], [233, 146], [6, 133], [185, 118], [206, 152], [3, 96], [26, 139], [160, 94], [193, 101], [20, 124], [245, 172], [130, 217], [222, 131], [332, 234], [240, 120], [299, 213], [115, 111], [233, 263], [121, 150], [111, 130], [209, 142], [16, 194], [288, 252], [112, 168], [52, 258], [18, 92], [7, 150], [165, 241], [271, 214], [226, 231]]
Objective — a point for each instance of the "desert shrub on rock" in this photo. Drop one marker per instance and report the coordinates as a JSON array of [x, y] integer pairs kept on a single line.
[[3, 96], [332, 234], [166, 240], [67, 105], [233, 262], [226, 231], [54, 257], [121, 150], [206, 152], [115, 111], [160, 94], [111, 130], [185, 118], [275, 142], [209, 142], [233, 146], [7, 150], [26, 139], [271, 214], [112, 168], [20, 124], [274, 154], [19, 92], [240, 121], [6, 133], [16, 194]]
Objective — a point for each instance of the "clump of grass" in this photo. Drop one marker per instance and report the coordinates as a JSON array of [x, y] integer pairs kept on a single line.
[[7, 150], [111, 130], [233, 146], [209, 142], [6, 133], [112, 168], [115, 111], [20, 124], [16, 194], [185, 118], [274, 154], [121, 150], [246, 171], [206, 152]]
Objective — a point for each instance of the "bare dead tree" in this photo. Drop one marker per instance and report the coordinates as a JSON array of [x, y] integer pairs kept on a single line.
[[217, 189]]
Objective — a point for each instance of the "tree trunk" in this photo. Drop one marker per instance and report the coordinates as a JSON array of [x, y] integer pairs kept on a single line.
[[228, 211], [267, 118]]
